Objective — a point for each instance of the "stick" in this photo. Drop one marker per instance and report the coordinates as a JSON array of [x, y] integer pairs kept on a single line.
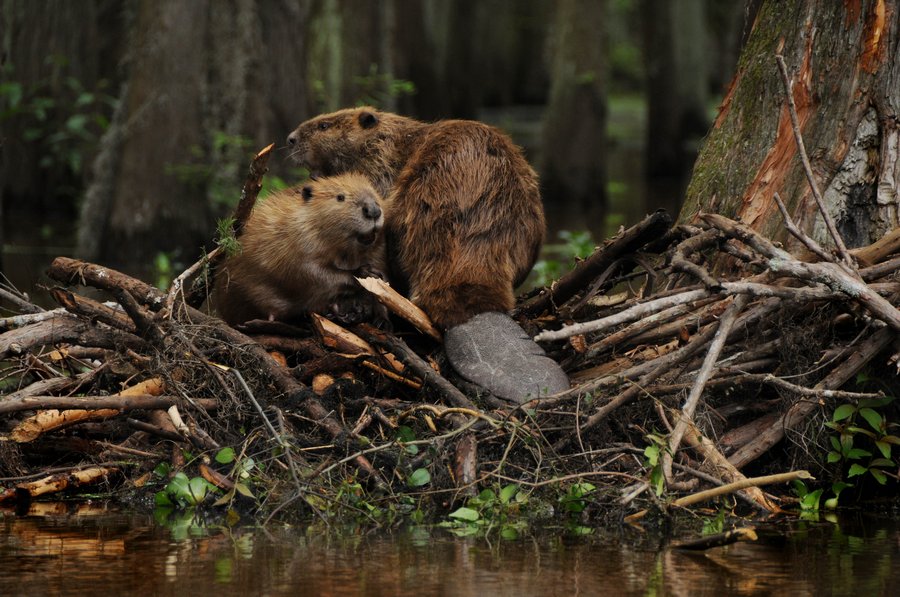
[[650, 229], [706, 371], [807, 168]]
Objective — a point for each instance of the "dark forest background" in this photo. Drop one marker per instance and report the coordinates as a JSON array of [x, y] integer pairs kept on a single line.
[[127, 125]]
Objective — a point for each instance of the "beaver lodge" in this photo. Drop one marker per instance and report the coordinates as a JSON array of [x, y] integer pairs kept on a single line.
[[699, 355]]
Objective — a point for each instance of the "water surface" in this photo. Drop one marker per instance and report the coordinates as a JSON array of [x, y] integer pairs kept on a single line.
[[59, 549]]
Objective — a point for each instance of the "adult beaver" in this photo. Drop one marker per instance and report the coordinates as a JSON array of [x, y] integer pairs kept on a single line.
[[464, 226], [300, 250]]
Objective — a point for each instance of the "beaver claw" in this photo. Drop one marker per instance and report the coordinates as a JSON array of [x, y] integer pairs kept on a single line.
[[492, 351]]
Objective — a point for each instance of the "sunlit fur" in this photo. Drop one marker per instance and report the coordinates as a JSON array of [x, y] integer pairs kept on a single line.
[[465, 220]]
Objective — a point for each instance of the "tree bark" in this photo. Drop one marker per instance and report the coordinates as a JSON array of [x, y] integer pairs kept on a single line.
[[206, 83], [842, 57]]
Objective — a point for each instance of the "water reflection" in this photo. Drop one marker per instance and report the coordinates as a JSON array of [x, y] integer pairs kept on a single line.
[[62, 549]]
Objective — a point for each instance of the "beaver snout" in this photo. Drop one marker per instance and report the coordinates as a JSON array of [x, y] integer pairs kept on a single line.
[[370, 209], [293, 138]]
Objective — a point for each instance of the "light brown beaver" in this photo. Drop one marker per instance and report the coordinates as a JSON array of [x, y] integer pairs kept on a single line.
[[465, 221], [300, 250]]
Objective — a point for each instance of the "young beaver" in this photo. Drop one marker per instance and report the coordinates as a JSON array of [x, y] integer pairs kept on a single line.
[[300, 250], [466, 220]]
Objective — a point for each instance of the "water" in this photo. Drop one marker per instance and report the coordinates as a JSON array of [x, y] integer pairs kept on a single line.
[[60, 549]]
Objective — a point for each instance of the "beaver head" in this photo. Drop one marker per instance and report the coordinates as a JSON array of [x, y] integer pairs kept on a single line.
[[338, 142], [346, 209], [364, 140]]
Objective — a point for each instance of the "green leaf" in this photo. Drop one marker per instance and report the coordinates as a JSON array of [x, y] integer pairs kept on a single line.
[[509, 533], [507, 493], [835, 443], [856, 470], [860, 430], [243, 490], [161, 498], [198, 488], [419, 477], [875, 420], [658, 480], [162, 469], [857, 453], [879, 476], [842, 412], [652, 454], [884, 448], [882, 462], [833, 457], [876, 402], [465, 514], [225, 456]]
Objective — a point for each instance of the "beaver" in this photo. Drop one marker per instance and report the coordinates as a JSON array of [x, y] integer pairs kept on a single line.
[[466, 220], [300, 250], [464, 226]]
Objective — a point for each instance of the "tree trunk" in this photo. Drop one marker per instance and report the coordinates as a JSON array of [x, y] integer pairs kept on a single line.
[[574, 147], [190, 113], [842, 57], [677, 63]]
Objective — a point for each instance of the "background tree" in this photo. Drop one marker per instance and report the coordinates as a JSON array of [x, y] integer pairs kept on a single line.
[[843, 60], [574, 136]]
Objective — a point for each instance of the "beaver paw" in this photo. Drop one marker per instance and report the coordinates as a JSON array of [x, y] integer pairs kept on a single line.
[[352, 311]]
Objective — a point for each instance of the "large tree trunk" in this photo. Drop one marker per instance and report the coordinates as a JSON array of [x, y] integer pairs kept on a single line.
[[678, 64], [574, 146], [203, 81], [843, 58]]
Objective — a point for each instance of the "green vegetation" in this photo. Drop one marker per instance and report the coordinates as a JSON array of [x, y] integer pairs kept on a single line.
[[863, 450], [60, 117], [575, 245]]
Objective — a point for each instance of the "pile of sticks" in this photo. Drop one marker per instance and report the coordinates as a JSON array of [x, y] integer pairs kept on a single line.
[[707, 340], [651, 341]]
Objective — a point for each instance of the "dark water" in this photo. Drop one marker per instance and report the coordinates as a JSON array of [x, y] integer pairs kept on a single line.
[[59, 549]]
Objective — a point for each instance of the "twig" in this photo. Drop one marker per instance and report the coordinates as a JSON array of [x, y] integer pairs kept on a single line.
[[807, 167], [808, 242], [706, 371]]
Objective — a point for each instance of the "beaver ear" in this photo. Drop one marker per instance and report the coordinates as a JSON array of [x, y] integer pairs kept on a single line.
[[367, 120], [307, 193]]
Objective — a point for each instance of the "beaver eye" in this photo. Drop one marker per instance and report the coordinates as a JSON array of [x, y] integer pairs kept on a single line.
[[340, 197], [324, 125]]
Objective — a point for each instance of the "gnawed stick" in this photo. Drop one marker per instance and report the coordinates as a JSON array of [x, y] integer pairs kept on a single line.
[[399, 305], [690, 405], [716, 464], [57, 483]]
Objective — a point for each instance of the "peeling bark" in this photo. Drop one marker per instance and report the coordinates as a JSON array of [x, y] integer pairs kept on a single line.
[[843, 62]]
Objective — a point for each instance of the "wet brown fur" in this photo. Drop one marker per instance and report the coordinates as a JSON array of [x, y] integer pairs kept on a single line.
[[465, 222], [300, 250]]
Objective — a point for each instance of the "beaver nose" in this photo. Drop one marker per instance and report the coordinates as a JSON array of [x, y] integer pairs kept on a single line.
[[371, 209], [293, 138]]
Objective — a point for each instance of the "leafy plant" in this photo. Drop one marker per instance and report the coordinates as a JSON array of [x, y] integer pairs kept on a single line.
[[182, 492], [490, 511], [652, 453], [852, 444]]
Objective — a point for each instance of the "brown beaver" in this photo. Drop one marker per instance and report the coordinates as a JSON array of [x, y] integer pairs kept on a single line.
[[465, 222], [300, 250]]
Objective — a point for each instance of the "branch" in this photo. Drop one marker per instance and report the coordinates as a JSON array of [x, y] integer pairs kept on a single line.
[[807, 168]]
